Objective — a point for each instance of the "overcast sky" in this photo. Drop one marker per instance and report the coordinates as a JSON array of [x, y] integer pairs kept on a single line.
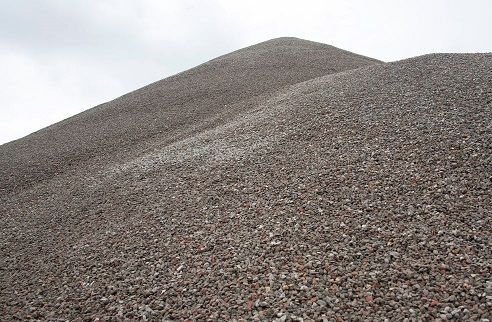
[[58, 58]]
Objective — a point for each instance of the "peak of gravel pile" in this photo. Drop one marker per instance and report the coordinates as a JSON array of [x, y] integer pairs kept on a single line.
[[169, 110], [288, 181]]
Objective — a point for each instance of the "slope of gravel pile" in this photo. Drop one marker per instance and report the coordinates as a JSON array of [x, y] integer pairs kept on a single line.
[[168, 110], [361, 195]]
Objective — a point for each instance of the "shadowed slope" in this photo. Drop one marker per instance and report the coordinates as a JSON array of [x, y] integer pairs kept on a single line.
[[170, 109], [358, 195]]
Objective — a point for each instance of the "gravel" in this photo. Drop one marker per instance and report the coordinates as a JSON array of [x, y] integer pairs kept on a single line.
[[363, 194]]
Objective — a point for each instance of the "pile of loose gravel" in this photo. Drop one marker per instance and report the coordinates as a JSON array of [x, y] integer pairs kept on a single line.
[[364, 194]]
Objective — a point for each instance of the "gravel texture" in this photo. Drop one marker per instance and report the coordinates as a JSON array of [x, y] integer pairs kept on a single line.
[[360, 195]]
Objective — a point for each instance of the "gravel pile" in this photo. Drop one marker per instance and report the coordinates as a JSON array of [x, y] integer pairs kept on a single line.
[[359, 195]]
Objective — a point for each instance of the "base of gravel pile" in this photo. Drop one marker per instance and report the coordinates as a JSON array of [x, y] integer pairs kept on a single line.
[[363, 195]]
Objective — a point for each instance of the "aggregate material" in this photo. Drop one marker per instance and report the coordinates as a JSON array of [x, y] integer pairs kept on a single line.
[[287, 181]]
